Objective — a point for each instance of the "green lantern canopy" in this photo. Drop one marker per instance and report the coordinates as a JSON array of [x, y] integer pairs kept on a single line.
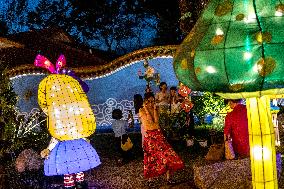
[[235, 46], [235, 50]]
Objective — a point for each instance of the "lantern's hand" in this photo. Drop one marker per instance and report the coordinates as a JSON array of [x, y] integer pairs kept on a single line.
[[86, 139], [45, 110], [44, 153]]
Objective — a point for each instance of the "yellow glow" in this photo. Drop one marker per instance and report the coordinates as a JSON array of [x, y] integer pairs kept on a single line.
[[278, 13], [219, 31], [262, 143], [69, 113], [259, 153], [259, 67], [247, 55], [275, 93], [250, 18], [210, 69], [255, 68], [279, 10], [259, 37]]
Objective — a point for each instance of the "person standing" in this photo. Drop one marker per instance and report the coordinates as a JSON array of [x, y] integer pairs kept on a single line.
[[162, 97], [236, 128], [174, 101], [159, 156], [119, 128], [162, 103]]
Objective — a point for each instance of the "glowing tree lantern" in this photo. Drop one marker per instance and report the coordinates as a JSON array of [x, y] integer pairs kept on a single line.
[[235, 50], [70, 120]]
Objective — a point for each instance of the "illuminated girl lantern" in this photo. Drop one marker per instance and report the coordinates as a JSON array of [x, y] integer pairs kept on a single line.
[[69, 120], [235, 49]]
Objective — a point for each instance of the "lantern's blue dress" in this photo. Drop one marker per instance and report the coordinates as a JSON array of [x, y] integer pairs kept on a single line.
[[71, 156]]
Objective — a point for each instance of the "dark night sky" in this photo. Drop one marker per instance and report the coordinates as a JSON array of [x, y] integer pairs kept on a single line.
[[147, 34]]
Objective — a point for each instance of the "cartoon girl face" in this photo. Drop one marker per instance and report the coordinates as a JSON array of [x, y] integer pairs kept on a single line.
[[67, 107]]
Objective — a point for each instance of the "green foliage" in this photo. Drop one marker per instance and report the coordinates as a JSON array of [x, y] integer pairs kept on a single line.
[[107, 25], [207, 104], [218, 123], [176, 123], [25, 135], [8, 100], [115, 26], [17, 133]]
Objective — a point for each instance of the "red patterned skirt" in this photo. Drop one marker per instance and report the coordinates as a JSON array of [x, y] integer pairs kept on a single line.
[[159, 156]]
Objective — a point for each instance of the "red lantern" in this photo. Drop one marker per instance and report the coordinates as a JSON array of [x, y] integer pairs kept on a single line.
[[184, 91], [186, 105]]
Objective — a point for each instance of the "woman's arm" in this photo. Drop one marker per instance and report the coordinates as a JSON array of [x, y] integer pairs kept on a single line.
[[227, 127], [156, 115], [142, 114], [157, 98]]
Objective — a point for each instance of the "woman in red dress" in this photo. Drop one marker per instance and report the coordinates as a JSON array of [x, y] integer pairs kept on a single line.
[[159, 156], [236, 128]]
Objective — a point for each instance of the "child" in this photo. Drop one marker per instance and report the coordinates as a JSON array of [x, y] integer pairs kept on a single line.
[[119, 128], [174, 101]]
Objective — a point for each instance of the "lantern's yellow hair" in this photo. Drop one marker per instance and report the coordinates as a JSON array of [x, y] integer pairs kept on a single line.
[[69, 114]]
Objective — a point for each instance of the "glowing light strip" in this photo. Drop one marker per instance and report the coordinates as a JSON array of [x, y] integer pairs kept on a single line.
[[123, 67], [24, 75]]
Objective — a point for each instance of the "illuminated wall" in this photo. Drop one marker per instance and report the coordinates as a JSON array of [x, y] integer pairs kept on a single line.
[[114, 90]]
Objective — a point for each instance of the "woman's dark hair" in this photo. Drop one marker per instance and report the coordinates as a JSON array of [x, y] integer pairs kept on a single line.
[[173, 88], [161, 84], [116, 114], [226, 101], [148, 95], [138, 102]]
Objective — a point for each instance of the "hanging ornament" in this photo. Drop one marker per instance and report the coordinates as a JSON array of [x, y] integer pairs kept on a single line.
[[186, 105], [149, 74], [184, 91], [266, 66]]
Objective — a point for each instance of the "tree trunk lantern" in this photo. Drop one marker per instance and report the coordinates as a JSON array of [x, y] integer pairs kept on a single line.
[[236, 50]]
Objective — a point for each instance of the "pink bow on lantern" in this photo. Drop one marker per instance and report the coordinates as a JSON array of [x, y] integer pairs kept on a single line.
[[41, 61], [184, 91]]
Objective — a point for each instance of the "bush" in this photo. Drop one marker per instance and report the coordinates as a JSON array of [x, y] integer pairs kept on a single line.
[[208, 103]]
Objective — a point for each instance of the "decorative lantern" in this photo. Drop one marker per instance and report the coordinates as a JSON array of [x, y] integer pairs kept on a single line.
[[69, 113], [235, 50], [70, 120], [184, 91], [149, 74]]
